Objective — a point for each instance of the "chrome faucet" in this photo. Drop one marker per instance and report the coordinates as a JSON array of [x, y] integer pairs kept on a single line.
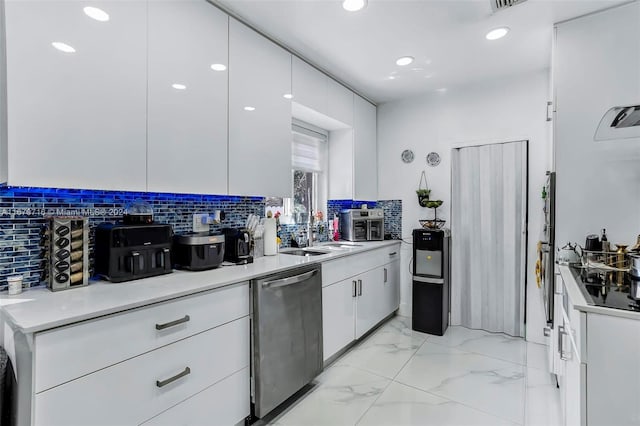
[[310, 232]]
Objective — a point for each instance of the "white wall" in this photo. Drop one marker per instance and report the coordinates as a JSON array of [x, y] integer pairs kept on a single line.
[[498, 111]]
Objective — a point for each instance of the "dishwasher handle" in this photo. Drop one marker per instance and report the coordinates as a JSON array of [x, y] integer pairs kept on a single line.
[[289, 280]]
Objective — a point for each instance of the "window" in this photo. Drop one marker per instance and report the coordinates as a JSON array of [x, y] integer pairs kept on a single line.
[[308, 166]]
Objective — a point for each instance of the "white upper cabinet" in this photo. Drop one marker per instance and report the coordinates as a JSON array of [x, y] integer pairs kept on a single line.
[[260, 135], [188, 90], [309, 86], [353, 157], [340, 103], [76, 98], [365, 151]]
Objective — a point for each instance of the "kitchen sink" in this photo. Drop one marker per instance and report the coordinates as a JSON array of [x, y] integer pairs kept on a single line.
[[300, 252]]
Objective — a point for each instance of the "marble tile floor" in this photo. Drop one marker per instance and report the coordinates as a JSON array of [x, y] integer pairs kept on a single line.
[[397, 376]]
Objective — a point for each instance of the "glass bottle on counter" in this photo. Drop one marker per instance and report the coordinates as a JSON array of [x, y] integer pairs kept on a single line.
[[606, 247]]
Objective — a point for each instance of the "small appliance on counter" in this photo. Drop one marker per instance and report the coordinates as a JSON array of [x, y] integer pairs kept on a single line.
[[127, 252], [66, 244], [362, 224], [237, 245], [198, 251], [430, 286], [138, 213]]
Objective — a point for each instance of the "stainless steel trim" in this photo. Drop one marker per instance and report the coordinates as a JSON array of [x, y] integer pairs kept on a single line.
[[289, 280], [173, 323], [165, 382], [359, 287], [428, 280]]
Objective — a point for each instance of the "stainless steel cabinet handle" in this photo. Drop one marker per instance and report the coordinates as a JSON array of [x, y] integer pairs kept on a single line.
[[354, 291], [173, 323], [289, 280], [359, 287], [393, 254], [564, 355], [162, 383], [385, 275]]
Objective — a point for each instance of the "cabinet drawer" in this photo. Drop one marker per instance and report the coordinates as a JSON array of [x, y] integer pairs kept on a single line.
[[348, 266], [224, 404], [130, 392], [70, 352]]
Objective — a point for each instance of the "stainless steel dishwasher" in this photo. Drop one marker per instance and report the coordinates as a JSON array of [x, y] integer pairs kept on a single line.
[[286, 343]]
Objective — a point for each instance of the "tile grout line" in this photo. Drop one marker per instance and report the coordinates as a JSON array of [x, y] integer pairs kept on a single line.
[[390, 381]]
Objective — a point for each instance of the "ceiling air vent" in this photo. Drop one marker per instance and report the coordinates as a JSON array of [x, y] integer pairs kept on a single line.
[[497, 5]]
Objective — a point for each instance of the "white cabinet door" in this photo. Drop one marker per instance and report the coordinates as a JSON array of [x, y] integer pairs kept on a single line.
[[369, 303], [259, 116], [391, 287], [340, 103], [77, 119], [338, 316], [187, 112], [309, 86], [341, 164], [365, 156], [613, 345]]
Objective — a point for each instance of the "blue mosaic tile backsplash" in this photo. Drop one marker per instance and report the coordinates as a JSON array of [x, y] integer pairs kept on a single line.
[[23, 212]]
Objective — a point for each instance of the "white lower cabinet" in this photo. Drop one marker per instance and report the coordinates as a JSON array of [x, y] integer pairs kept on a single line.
[[193, 370], [352, 306], [338, 312], [370, 290], [135, 390], [222, 404]]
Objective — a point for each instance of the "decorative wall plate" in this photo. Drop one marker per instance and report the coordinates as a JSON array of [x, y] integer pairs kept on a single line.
[[407, 156], [433, 159]]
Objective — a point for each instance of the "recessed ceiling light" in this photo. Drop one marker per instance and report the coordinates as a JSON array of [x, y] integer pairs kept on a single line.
[[178, 86], [405, 60], [354, 5], [497, 33], [287, 96], [63, 47], [391, 77], [95, 13], [249, 108], [218, 67]]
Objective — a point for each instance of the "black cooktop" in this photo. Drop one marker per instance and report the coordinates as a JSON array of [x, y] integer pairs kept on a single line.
[[608, 289]]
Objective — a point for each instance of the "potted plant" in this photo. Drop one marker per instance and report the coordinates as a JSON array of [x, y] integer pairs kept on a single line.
[[423, 196], [423, 192]]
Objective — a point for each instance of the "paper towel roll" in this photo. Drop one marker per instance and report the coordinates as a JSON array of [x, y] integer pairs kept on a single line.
[[270, 235]]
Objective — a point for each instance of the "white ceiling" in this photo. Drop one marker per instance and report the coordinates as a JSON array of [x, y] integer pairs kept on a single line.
[[445, 36]]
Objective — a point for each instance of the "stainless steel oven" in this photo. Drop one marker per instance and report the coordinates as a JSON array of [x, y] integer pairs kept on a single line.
[[362, 225]]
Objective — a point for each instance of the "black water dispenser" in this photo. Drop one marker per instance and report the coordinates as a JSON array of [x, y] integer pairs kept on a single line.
[[430, 283]]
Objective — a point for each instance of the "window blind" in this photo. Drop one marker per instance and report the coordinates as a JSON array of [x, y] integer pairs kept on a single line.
[[307, 152]]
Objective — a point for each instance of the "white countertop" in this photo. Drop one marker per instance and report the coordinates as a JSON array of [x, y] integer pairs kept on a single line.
[[40, 309], [580, 303]]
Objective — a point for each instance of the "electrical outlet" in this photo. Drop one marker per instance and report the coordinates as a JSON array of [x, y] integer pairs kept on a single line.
[[200, 222]]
